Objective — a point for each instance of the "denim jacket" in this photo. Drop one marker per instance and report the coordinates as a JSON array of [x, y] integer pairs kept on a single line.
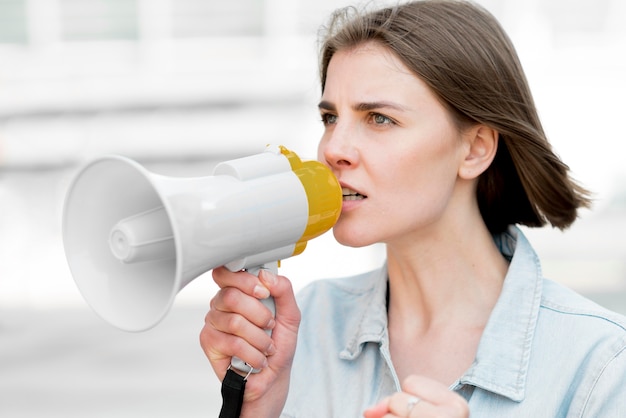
[[545, 352]]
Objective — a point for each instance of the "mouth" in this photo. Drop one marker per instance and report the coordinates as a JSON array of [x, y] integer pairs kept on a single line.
[[349, 194]]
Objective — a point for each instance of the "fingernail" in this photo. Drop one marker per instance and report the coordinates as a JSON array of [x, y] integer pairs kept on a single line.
[[271, 350], [261, 292], [269, 277], [271, 324]]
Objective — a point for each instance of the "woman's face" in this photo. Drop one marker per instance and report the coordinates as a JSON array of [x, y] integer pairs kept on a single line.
[[393, 147]]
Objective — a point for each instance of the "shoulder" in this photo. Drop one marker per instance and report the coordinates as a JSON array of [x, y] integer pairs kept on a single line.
[[606, 393], [567, 317], [588, 339], [569, 305]]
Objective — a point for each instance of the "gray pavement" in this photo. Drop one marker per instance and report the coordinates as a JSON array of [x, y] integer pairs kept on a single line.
[[68, 363]]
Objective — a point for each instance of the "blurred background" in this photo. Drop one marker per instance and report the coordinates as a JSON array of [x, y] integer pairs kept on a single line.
[[179, 85]]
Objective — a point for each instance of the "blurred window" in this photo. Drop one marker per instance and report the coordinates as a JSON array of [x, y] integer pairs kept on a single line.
[[202, 18], [13, 21], [98, 19]]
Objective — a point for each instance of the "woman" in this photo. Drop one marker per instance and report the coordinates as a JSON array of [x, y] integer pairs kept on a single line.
[[432, 131]]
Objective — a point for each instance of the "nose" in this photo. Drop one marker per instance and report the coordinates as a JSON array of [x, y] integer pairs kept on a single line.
[[337, 148]]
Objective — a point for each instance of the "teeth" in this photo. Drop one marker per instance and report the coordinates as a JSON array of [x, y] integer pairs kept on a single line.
[[353, 197], [349, 194]]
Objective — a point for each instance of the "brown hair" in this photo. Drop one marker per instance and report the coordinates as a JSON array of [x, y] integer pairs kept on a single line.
[[462, 53]]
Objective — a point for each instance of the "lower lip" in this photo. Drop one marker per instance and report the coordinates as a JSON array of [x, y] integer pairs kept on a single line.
[[349, 205]]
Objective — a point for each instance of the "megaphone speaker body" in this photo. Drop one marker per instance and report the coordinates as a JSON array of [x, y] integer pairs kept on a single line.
[[134, 239]]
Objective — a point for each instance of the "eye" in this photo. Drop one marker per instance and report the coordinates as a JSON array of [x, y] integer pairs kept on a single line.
[[329, 118], [379, 119]]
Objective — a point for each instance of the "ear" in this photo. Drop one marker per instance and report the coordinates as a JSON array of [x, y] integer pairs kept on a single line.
[[482, 144]]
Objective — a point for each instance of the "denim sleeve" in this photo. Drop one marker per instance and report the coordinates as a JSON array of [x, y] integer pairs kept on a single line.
[[607, 397]]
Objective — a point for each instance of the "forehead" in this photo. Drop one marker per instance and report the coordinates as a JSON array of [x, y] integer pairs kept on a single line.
[[369, 56], [372, 71]]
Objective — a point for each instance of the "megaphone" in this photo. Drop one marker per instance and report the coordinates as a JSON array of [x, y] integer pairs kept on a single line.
[[133, 239]]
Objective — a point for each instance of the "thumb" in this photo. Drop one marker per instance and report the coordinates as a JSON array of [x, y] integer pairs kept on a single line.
[[287, 311]]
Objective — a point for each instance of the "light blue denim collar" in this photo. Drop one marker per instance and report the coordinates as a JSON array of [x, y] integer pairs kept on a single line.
[[503, 354]]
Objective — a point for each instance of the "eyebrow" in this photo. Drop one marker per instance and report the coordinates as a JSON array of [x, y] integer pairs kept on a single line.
[[364, 106]]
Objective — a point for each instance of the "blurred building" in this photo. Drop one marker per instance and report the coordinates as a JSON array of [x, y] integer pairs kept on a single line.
[[180, 84], [168, 79]]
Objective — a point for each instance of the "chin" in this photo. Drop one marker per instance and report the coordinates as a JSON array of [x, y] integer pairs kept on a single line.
[[347, 237]]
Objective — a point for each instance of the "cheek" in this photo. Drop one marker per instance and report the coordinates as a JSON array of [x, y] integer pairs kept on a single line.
[[423, 185]]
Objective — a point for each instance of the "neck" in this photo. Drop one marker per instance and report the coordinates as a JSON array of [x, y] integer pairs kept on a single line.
[[453, 278]]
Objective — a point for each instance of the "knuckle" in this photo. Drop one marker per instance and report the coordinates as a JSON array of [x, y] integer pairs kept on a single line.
[[410, 383], [230, 297], [297, 316], [235, 324], [236, 345], [205, 337]]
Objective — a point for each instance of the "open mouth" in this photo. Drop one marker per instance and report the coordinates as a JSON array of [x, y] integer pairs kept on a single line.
[[349, 194]]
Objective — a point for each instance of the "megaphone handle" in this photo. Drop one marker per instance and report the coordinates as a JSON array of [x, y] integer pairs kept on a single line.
[[236, 362]]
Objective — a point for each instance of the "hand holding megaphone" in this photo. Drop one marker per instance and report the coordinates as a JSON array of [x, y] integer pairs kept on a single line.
[[133, 239]]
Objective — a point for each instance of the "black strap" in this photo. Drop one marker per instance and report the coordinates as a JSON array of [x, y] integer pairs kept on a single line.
[[233, 387]]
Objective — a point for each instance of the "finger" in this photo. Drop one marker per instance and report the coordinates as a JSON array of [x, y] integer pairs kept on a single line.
[[232, 300], [287, 311], [436, 393], [220, 347], [242, 280], [403, 404], [237, 325]]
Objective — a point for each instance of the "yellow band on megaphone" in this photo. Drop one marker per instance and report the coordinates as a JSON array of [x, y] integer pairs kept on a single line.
[[323, 194]]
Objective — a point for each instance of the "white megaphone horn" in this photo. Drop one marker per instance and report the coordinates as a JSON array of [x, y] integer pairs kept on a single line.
[[133, 239]]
